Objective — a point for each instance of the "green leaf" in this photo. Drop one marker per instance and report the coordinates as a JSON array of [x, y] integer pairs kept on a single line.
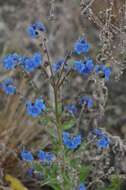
[[67, 181], [54, 184], [43, 146], [68, 124], [39, 168], [46, 120], [73, 162], [52, 133], [115, 185], [83, 174]]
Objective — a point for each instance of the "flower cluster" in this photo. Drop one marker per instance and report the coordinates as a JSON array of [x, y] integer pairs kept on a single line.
[[10, 61], [36, 108], [84, 68], [30, 64], [71, 143], [81, 46], [8, 86], [26, 156], [103, 140], [85, 100], [71, 109], [35, 28], [58, 65], [105, 70], [45, 156]]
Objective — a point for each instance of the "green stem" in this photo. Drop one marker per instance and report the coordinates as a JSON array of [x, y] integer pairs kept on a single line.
[[59, 129]]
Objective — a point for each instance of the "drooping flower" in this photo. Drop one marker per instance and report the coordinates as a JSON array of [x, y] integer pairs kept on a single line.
[[103, 142], [37, 26], [26, 156], [105, 70], [71, 143], [10, 61], [71, 108], [45, 156], [36, 108], [85, 100], [81, 46], [8, 86]]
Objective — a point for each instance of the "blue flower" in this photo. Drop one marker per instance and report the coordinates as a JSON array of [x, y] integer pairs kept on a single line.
[[76, 141], [71, 108], [81, 187], [37, 59], [30, 172], [30, 64], [85, 100], [71, 143], [31, 32], [105, 70], [79, 67], [45, 156], [10, 61], [58, 65], [103, 142], [107, 73], [82, 68], [97, 132], [37, 26], [35, 109], [81, 46], [8, 87], [89, 65], [26, 156]]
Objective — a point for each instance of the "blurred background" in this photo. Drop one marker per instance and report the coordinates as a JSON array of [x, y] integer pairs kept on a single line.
[[65, 23]]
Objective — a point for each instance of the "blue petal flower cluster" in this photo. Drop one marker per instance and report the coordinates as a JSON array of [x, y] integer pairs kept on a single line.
[[30, 64], [26, 156], [71, 143], [81, 187], [103, 142], [45, 156], [10, 61], [71, 108], [37, 26], [84, 68], [105, 70], [58, 65], [81, 46], [36, 108], [8, 86], [85, 100]]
